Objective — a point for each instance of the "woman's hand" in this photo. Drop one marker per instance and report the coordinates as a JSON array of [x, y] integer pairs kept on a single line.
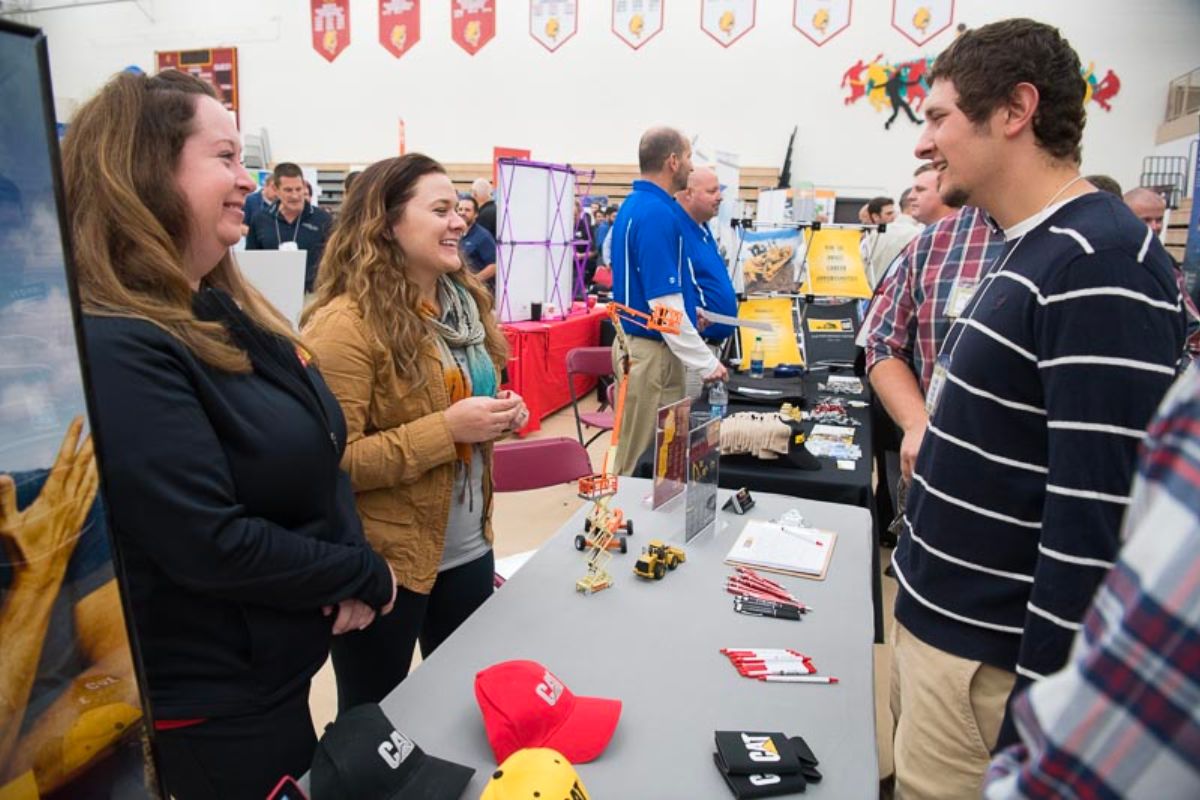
[[523, 411], [352, 615], [482, 419]]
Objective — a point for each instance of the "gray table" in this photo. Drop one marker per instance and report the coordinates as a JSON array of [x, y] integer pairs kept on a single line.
[[654, 645]]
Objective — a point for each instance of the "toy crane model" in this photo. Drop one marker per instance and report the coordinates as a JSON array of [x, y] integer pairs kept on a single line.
[[599, 488]]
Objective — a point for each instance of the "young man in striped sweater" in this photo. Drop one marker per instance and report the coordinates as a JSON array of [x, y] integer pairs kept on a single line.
[[1042, 391]]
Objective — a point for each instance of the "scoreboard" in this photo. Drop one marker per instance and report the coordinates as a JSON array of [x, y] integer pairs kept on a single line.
[[217, 65]]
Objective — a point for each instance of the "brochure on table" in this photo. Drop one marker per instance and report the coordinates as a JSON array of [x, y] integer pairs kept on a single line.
[[670, 451], [704, 462]]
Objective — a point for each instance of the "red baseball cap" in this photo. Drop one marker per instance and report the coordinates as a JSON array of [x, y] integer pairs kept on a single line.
[[525, 705]]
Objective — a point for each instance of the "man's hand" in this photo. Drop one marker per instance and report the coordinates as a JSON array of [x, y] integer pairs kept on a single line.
[[910, 445], [718, 374], [41, 535]]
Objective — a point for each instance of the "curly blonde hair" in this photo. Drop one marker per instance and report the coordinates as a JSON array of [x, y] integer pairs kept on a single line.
[[129, 222], [365, 262]]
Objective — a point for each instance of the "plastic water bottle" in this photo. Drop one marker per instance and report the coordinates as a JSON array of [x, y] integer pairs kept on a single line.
[[718, 400], [756, 358]]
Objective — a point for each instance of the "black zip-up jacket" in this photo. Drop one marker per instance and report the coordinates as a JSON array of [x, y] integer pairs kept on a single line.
[[234, 521]]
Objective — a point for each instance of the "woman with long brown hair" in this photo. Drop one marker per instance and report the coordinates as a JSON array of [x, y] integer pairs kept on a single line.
[[219, 443], [407, 340]]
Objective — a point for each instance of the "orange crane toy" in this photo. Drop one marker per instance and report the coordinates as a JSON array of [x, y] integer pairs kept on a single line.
[[603, 522]]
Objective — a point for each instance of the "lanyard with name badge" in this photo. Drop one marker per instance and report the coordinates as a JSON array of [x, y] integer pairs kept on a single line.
[[288, 246], [941, 370]]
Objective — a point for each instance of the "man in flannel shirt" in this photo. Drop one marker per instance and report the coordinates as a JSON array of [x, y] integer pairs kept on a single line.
[[1120, 719], [920, 297], [1045, 386]]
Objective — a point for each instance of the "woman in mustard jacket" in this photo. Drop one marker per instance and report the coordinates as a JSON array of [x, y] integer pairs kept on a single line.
[[406, 339]]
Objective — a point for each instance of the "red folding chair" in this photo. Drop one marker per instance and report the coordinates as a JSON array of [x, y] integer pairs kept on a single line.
[[590, 361], [517, 466]]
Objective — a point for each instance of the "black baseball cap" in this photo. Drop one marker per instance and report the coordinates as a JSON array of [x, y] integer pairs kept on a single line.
[[363, 757]]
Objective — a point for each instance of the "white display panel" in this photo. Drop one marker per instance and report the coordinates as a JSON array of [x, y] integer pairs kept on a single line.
[[535, 226], [279, 275]]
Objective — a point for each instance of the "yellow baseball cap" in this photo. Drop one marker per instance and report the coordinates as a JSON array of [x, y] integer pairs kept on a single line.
[[535, 772]]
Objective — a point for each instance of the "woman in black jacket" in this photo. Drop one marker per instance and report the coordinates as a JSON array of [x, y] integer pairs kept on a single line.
[[219, 443]]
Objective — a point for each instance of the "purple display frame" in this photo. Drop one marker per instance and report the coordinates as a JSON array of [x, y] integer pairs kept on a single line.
[[505, 241]]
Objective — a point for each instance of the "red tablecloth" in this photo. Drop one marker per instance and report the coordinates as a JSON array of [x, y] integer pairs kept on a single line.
[[537, 361]]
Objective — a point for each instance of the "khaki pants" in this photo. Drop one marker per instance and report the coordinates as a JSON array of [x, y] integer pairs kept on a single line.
[[655, 380], [947, 713]]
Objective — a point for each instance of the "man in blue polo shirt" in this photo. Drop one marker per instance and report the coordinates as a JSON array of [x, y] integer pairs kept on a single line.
[[650, 267], [706, 268], [478, 246], [292, 223]]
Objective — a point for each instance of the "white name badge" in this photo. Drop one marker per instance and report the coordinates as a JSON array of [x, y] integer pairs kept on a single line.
[[960, 297], [937, 382], [288, 246]]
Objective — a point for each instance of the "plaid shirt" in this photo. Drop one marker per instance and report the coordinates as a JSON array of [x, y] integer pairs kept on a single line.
[[907, 319], [1120, 720]]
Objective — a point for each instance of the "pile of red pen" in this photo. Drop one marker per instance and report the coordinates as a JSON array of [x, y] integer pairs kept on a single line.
[[753, 594], [776, 665]]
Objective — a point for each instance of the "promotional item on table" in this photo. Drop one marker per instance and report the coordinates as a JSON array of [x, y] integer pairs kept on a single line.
[[362, 755], [764, 764], [535, 772], [525, 705]]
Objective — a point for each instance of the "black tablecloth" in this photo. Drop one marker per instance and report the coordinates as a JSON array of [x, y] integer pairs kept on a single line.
[[852, 487]]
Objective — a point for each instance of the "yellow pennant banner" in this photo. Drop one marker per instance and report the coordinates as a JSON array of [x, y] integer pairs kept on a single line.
[[835, 267]]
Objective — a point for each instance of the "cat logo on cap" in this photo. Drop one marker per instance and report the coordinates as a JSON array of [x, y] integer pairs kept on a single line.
[[535, 772], [397, 748], [550, 689]]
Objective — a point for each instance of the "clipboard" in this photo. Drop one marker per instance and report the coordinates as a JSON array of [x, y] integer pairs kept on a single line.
[[767, 546]]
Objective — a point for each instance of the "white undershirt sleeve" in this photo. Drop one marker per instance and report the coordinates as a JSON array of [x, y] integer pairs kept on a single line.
[[687, 345]]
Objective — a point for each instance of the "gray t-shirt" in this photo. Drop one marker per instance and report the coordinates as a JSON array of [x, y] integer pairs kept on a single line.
[[464, 529]]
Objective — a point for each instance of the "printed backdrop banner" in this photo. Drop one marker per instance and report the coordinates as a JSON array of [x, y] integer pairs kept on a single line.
[[636, 22], [552, 22], [835, 267], [473, 24], [726, 21], [330, 27], [71, 716], [399, 25], [821, 20], [921, 20]]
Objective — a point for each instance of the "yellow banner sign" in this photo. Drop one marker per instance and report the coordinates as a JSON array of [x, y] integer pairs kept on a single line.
[[835, 267], [779, 344]]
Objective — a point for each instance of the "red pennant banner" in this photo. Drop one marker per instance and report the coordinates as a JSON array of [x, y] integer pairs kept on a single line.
[[330, 27], [473, 24], [399, 25]]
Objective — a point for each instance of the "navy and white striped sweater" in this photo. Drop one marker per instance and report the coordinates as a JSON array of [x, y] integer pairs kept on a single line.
[[1021, 483]]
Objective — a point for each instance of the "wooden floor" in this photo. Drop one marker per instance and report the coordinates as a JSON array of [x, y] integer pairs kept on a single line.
[[552, 507]]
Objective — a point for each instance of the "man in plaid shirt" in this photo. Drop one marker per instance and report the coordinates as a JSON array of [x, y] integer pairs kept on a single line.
[[1120, 719], [918, 300]]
